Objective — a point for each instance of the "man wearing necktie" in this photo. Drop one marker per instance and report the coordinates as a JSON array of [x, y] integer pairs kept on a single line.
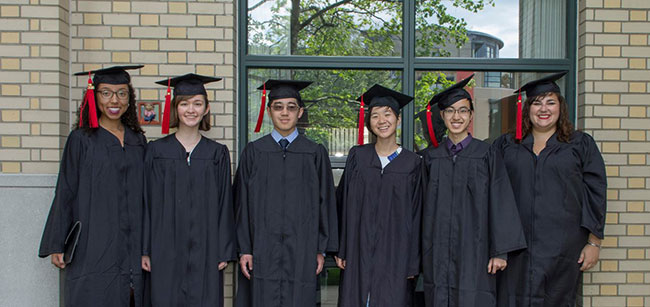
[[286, 208]]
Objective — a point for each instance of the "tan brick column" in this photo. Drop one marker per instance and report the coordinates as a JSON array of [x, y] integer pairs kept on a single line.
[[614, 81], [34, 44]]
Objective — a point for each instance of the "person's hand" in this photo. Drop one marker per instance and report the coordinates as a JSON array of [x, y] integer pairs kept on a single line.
[[496, 264], [57, 260], [320, 260], [222, 265], [340, 263], [146, 263], [589, 254], [246, 264], [410, 277]]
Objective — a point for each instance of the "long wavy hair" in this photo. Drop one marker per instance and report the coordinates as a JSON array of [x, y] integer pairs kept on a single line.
[[128, 119], [564, 127]]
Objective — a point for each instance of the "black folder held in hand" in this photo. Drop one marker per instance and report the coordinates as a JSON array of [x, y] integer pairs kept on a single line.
[[71, 242]]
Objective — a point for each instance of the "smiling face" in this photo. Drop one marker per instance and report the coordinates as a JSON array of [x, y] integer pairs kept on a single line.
[[384, 122], [112, 100], [284, 114], [544, 113], [458, 116], [192, 110]]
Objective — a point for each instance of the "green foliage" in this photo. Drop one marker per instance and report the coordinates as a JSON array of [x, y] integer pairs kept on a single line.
[[352, 28]]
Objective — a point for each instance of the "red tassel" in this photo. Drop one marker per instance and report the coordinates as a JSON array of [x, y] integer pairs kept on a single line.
[[519, 115], [260, 117], [168, 105], [432, 135], [362, 115], [89, 101]]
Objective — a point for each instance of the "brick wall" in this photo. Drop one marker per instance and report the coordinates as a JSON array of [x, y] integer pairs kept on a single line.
[[42, 42], [34, 44], [169, 38], [614, 81]]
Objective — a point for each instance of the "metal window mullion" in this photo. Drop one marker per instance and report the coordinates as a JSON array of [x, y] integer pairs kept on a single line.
[[572, 53], [408, 73]]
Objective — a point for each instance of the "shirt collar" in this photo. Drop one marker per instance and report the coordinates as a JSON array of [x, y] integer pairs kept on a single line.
[[291, 137], [461, 145]]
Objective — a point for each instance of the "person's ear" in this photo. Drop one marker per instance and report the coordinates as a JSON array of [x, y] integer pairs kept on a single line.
[[300, 111]]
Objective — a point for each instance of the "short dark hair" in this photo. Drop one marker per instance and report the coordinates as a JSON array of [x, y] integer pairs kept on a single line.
[[173, 116], [367, 117]]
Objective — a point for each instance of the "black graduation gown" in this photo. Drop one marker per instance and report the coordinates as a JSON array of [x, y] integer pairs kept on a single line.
[[286, 214], [189, 221], [469, 216], [561, 198], [379, 227], [100, 184]]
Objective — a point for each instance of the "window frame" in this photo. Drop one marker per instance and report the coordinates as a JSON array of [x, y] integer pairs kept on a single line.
[[408, 63]]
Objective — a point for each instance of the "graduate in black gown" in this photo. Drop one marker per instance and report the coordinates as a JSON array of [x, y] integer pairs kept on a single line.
[[558, 178], [285, 208], [100, 186], [470, 219], [379, 199], [189, 229]]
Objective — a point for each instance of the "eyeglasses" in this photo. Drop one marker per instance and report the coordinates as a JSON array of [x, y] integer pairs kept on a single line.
[[278, 107], [108, 94], [449, 112]]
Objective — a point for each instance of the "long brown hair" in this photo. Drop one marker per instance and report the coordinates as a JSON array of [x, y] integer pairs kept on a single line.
[[173, 115], [564, 127], [128, 119]]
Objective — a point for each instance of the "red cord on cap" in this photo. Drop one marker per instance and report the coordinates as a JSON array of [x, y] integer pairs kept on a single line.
[[260, 117], [432, 135], [519, 116], [89, 101], [168, 105], [362, 115]]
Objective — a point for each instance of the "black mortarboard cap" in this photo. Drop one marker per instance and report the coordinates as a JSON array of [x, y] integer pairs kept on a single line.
[[452, 94], [284, 89], [189, 84], [379, 96], [438, 124], [543, 85], [111, 75]]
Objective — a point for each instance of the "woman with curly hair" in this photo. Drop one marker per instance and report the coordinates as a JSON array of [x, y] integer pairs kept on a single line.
[[558, 178], [93, 230]]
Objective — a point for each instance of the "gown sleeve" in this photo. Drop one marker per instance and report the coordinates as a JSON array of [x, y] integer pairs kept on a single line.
[[148, 190], [242, 208], [328, 237], [341, 198], [506, 233], [594, 179], [226, 228], [416, 218], [60, 218]]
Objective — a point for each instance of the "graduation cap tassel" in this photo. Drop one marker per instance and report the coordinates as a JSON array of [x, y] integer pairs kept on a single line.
[[519, 115], [432, 134], [362, 115], [89, 102], [260, 117], [168, 105]]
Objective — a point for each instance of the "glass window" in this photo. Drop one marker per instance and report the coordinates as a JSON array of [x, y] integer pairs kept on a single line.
[[331, 110], [325, 27], [510, 28], [494, 105]]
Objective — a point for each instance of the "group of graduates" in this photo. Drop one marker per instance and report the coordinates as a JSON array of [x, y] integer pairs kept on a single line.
[[508, 224]]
